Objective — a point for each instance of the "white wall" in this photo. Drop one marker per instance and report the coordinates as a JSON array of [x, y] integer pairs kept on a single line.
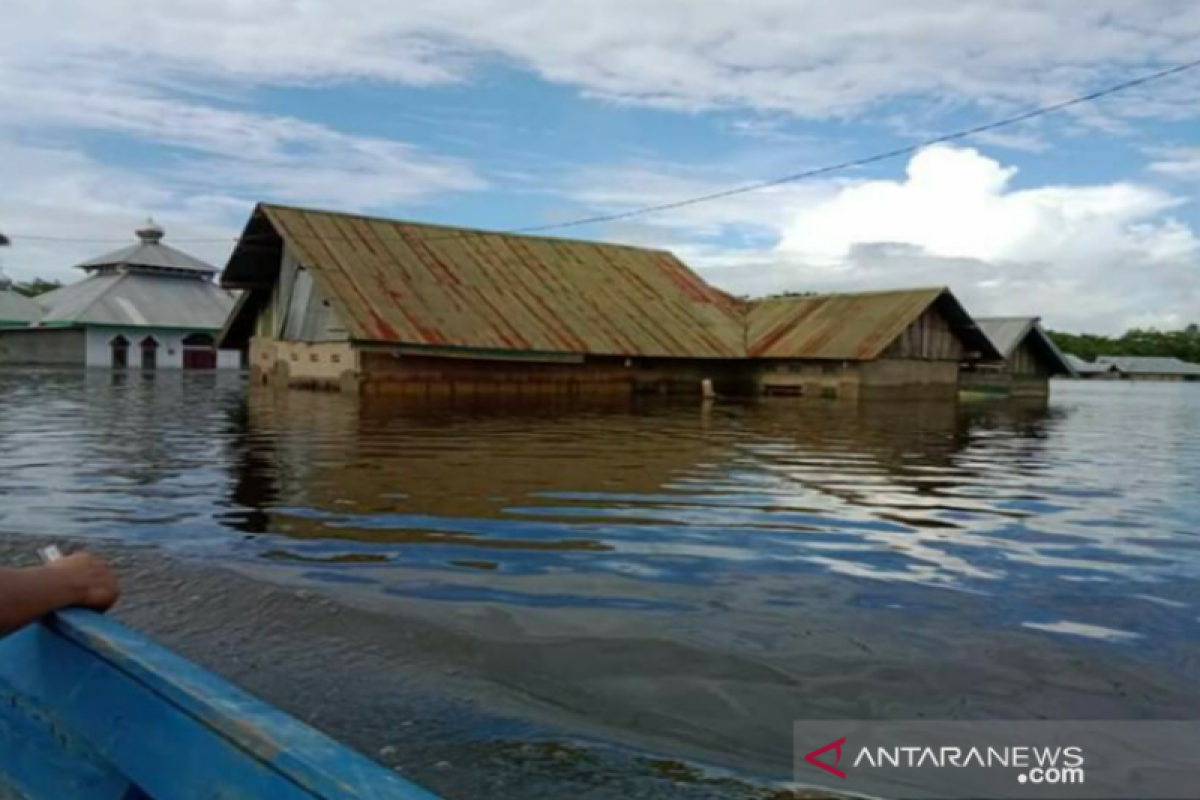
[[170, 348]]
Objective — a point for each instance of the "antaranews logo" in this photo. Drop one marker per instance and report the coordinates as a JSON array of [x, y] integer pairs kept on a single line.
[[1005, 760], [1038, 765], [815, 756]]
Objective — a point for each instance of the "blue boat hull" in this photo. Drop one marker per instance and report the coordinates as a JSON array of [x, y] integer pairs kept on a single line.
[[91, 709]]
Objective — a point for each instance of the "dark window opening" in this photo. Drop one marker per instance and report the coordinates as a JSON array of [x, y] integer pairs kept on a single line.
[[149, 353], [120, 352], [199, 351]]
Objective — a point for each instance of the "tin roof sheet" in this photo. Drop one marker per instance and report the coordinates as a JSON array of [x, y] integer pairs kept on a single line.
[[1007, 333], [1156, 365], [412, 283], [850, 326], [138, 299], [16, 307], [150, 254]]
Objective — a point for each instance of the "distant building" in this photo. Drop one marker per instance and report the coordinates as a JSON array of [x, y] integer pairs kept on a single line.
[[386, 307], [894, 344], [145, 306], [1151, 368], [1089, 371], [16, 310], [1030, 359]]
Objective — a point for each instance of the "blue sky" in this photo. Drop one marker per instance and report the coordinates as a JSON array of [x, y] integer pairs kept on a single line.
[[489, 114]]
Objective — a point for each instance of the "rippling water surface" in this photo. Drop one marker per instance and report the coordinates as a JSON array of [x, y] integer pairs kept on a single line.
[[767, 561]]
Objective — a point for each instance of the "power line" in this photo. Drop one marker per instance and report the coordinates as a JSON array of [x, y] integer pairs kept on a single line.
[[862, 162], [817, 172]]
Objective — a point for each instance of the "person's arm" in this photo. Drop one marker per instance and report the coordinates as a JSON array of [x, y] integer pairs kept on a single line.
[[27, 595]]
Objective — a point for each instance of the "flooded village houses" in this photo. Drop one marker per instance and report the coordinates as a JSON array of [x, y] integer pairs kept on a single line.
[[1030, 360], [1087, 370], [906, 343], [146, 306], [379, 306], [1149, 368]]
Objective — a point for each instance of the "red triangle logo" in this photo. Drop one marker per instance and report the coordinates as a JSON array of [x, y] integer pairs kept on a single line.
[[814, 758]]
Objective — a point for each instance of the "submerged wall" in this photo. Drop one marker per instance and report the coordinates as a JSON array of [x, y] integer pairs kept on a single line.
[[169, 354], [379, 370], [52, 347]]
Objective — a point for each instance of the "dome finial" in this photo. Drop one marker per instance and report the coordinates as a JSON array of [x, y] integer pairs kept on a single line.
[[151, 232]]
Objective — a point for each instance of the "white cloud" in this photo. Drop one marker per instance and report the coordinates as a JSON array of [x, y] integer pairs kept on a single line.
[[1084, 257], [805, 57], [1177, 162], [183, 76], [62, 192]]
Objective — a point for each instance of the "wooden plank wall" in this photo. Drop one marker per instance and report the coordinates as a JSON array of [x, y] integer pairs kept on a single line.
[[457, 378], [929, 338], [1025, 362]]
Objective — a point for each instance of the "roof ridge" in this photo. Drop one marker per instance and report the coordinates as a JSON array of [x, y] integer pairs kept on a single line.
[[460, 228], [76, 316], [866, 293]]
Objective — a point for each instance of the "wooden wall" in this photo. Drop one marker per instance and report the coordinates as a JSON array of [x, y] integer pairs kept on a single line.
[[1026, 363], [383, 372], [929, 338]]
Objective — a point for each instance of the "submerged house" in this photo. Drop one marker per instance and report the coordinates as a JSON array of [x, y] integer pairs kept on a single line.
[[1086, 370], [380, 306], [906, 343], [1151, 368], [1030, 360], [146, 306]]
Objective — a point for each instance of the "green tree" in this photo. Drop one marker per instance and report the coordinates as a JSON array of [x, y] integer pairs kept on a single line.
[[36, 286], [1183, 344]]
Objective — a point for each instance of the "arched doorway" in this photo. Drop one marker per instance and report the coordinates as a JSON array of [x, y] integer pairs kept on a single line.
[[199, 351], [119, 347], [149, 353]]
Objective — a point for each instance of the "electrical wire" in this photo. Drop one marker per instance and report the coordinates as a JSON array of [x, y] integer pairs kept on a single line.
[[842, 166]]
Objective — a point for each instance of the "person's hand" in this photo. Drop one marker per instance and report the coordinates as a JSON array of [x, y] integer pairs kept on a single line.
[[90, 581]]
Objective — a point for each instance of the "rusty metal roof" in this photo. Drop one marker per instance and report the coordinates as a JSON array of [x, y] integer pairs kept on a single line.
[[852, 326], [402, 282]]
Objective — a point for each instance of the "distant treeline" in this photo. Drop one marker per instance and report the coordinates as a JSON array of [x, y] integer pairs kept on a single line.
[[1184, 344], [35, 287]]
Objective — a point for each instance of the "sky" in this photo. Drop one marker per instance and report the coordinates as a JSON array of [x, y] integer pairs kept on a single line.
[[508, 115]]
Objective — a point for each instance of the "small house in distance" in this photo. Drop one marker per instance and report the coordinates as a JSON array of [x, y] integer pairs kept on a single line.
[[1151, 368], [146, 306], [1086, 370], [904, 344], [1030, 360]]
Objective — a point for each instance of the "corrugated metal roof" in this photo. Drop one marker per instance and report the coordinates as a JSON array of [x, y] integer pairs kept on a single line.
[[1081, 367], [150, 252], [1007, 333], [138, 299], [16, 307], [849, 327], [1157, 365], [421, 284]]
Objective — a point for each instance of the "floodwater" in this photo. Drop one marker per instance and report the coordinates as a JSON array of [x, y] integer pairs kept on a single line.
[[683, 579]]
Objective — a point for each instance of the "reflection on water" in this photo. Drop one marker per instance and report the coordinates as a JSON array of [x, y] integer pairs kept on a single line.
[[730, 526]]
